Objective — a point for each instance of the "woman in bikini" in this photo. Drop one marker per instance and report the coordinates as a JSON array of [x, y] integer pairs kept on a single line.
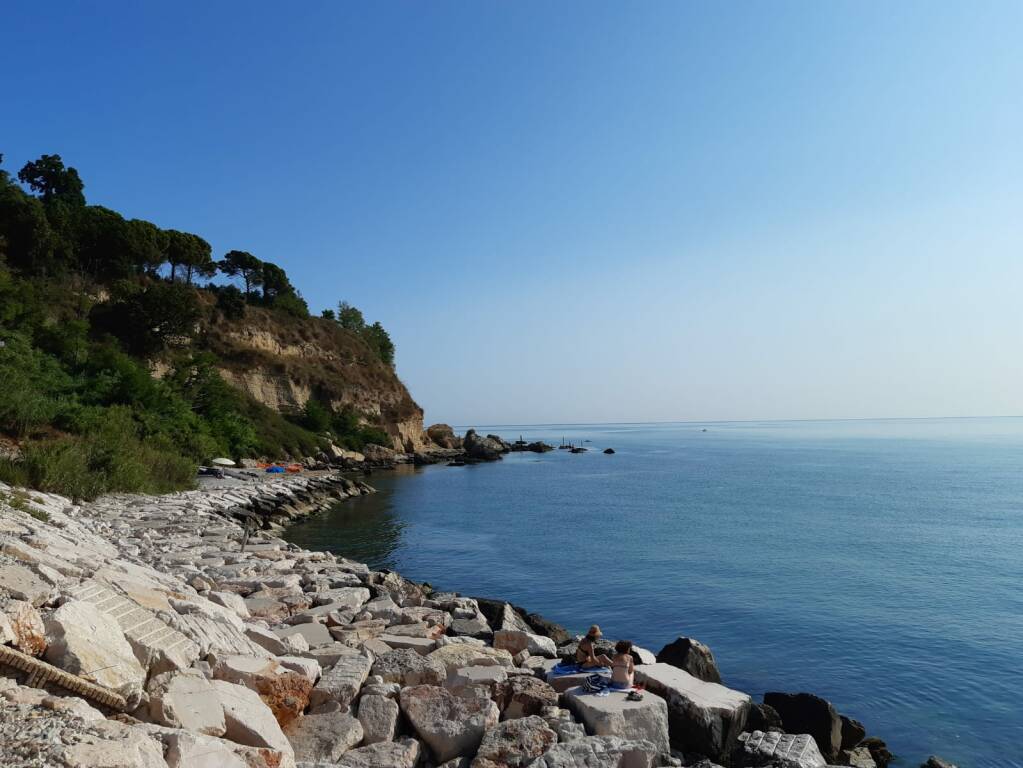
[[586, 654], [623, 668]]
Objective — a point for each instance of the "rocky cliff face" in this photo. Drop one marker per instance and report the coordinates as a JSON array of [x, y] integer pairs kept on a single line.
[[282, 362]]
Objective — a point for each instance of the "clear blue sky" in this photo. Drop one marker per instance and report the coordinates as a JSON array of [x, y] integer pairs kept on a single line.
[[581, 211]]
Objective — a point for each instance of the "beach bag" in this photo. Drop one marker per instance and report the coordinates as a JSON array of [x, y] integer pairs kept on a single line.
[[594, 683]]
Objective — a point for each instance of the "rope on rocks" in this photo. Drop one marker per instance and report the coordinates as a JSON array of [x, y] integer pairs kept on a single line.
[[40, 673]]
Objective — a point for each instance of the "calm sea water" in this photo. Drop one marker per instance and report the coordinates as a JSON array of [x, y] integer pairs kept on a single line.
[[875, 563]]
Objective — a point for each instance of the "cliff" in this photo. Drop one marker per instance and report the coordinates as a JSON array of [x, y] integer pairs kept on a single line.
[[283, 361]]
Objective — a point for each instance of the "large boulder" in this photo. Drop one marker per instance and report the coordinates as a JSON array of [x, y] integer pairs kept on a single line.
[[25, 626], [248, 720], [514, 743], [23, 584], [616, 715], [515, 641], [703, 717], [692, 656], [452, 726], [458, 655], [404, 753], [83, 640], [379, 718], [285, 692], [807, 713], [323, 737], [936, 762], [523, 695], [853, 732], [482, 448], [342, 682], [758, 748], [600, 752], [406, 667], [444, 436], [192, 750], [186, 700], [547, 628]]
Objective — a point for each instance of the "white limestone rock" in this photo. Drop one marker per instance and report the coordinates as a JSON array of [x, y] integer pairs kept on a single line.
[[515, 641], [248, 720], [83, 640], [342, 682], [404, 753], [797, 750], [186, 700], [452, 726], [703, 717], [600, 752], [615, 715], [379, 718], [514, 743], [323, 737]]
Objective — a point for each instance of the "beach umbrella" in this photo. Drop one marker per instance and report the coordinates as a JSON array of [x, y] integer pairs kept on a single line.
[[223, 462]]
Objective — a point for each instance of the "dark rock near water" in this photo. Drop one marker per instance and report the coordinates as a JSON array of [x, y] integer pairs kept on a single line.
[[547, 628], [878, 751], [936, 762], [692, 656], [853, 732], [609, 451], [764, 717], [807, 713], [483, 448]]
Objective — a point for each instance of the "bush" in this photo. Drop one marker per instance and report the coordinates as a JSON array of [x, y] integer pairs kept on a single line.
[[231, 303]]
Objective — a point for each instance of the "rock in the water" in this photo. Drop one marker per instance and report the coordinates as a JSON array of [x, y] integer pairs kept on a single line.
[[323, 737], [379, 718], [692, 656], [853, 732], [703, 717], [514, 743], [385, 754], [600, 752], [85, 641], [763, 717], [936, 762], [186, 700], [878, 750], [249, 721], [482, 448], [807, 713], [406, 667], [523, 695], [452, 726], [615, 715], [797, 750], [859, 757]]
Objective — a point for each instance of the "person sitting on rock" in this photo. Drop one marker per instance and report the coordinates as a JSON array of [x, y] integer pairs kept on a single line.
[[586, 654], [623, 667]]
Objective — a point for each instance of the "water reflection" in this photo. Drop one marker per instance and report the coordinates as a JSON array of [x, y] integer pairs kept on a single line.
[[365, 529]]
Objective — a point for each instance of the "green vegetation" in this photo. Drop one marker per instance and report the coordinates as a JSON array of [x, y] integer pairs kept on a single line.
[[91, 304]]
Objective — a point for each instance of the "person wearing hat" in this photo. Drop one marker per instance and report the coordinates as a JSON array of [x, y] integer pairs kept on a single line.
[[586, 653]]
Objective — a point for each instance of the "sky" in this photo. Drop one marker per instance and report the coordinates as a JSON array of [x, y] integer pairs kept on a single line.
[[581, 212]]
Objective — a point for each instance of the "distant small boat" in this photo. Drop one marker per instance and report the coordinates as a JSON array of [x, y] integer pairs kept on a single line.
[[579, 449]]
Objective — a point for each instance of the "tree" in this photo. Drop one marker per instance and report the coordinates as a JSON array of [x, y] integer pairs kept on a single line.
[[275, 282], [148, 245], [147, 321], [190, 252], [28, 237], [380, 341], [242, 264], [49, 177], [103, 244], [328, 314], [350, 318], [231, 302]]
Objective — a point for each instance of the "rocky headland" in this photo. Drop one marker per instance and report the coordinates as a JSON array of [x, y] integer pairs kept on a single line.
[[179, 631]]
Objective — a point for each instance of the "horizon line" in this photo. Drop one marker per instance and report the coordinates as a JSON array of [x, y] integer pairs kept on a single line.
[[733, 421]]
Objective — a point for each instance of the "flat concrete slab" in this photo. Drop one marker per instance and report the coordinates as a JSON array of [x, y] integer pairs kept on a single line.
[[614, 715]]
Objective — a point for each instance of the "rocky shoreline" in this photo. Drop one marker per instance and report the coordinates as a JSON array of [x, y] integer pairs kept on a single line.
[[180, 632]]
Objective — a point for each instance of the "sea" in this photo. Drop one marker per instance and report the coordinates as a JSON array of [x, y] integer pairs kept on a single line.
[[878, 564]]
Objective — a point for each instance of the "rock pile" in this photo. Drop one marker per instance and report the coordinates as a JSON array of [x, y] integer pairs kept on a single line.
[[152, 638]]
